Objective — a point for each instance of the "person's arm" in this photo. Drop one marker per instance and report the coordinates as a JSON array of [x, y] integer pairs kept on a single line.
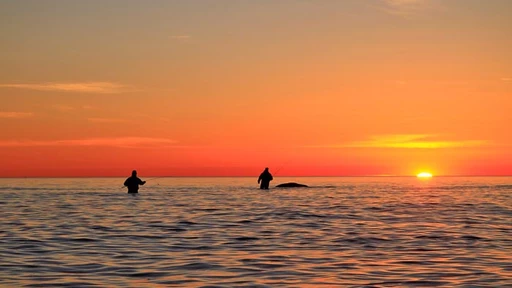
[[142, 182], [271, 178], [259, 179], [126, 182]]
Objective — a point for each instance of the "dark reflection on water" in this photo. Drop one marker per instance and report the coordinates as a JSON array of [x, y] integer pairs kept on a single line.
[[224, 232]]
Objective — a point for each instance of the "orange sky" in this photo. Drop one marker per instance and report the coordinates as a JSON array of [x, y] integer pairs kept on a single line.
[[226, 88]]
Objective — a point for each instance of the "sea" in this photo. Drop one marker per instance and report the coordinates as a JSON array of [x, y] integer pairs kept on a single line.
[[226, 232]]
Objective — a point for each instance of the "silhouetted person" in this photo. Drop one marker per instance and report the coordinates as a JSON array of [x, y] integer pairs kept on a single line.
[[264, 179], [133, 183]]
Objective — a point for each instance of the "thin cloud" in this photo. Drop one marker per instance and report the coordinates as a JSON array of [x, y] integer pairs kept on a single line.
[[16, 115], [161, 119], [403, 2], [181, 37], [506, 79], [409, 141], [120, 142], [106, 120], [64, 108], [404, 7], [69, 108], [84, 87], [452, 83]]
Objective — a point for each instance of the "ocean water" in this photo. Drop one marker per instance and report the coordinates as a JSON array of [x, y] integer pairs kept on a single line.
[[225, 232]]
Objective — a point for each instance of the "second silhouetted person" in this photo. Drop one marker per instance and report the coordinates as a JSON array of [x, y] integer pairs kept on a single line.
[[264, 179]]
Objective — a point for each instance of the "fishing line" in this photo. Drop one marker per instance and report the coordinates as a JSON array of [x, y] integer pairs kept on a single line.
[[155, 178]]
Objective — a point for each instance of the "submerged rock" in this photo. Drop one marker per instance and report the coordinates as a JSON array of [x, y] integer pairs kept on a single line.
[[291, 184]]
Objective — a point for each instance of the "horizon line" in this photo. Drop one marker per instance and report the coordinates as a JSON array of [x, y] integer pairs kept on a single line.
[[251, 176]]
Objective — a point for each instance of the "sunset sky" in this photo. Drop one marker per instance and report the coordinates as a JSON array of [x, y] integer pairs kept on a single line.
[[226, 88]]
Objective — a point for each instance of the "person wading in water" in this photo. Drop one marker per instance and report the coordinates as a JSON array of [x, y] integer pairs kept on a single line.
[[133, 183], [264, 179]]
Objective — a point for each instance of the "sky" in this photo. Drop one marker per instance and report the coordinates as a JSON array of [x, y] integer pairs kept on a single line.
[[227, 88]]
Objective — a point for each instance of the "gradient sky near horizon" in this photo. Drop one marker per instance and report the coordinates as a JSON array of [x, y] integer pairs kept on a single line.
[[226, 88]]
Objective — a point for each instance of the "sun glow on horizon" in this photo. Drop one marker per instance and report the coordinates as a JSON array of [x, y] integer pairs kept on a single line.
[[424, 175]]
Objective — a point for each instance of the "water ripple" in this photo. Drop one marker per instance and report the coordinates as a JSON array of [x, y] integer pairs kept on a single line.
[[340, 232]]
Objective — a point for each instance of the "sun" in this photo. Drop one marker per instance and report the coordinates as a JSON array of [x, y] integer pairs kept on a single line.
[[424, 175]]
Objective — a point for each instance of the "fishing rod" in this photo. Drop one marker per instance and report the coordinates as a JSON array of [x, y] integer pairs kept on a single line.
[[277, 171], [154, 178], [280, 167]]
